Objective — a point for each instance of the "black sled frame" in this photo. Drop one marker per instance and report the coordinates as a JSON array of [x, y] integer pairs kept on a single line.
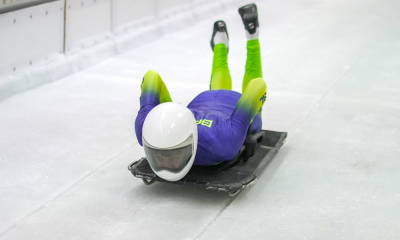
[[229, 176]]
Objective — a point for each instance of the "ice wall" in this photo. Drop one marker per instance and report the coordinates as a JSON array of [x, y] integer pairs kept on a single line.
[[49, 41]]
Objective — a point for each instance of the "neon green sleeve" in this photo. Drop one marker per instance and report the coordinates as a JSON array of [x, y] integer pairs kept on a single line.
[[251, 101], [154, 89]]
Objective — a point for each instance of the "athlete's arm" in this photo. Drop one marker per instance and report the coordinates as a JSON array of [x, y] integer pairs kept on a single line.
[[153, 93], [248, 106]]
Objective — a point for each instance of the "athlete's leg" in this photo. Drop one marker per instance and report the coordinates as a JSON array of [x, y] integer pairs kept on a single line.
[[220, 78], [253, 63], [253, 84], [253, 70]]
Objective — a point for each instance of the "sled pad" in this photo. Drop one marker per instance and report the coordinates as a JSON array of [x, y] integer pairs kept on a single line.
[[229, 176]]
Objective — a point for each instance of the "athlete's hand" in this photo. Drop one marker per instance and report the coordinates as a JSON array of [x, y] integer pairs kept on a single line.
[[250, 143]]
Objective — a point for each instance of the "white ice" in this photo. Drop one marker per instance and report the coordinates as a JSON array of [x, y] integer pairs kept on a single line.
[[333, 73]]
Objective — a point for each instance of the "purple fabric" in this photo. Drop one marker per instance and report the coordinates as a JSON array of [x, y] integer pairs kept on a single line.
[[223, 140]]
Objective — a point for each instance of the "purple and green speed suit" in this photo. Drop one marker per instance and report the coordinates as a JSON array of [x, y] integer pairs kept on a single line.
[[223, 116]]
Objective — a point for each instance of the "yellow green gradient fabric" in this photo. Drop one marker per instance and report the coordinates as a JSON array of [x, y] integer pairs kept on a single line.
[[154, 86]]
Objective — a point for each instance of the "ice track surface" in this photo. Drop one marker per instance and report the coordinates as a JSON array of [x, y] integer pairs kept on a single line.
[[332, 69]]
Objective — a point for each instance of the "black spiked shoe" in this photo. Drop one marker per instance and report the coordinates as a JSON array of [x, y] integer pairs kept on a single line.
[[249, 17], [219, 26]]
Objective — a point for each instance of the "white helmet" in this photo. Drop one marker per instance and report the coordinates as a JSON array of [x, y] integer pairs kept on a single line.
[[170, 140]]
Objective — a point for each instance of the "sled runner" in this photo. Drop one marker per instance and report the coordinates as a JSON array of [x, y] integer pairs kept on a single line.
[[229, 176]]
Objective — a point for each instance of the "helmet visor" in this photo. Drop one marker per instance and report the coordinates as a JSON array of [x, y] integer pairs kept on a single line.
[[172, 159]]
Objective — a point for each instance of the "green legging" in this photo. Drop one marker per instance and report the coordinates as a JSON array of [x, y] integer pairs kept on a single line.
[[253, 89], [221, 78]]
